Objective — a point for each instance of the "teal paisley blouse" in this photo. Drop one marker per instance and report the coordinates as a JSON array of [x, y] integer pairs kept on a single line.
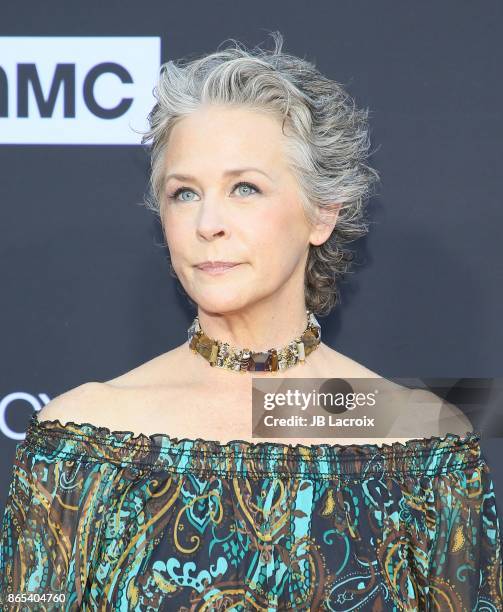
[[107, 520]]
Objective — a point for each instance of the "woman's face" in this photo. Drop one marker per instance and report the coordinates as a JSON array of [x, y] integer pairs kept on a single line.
[[237, 201]]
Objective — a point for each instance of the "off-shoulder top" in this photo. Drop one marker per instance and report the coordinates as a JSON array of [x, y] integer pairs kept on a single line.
[[108, 520]]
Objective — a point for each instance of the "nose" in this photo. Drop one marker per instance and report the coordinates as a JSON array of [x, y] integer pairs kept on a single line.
[[211, 220]]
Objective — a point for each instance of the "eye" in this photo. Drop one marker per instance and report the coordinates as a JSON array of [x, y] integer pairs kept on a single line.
[[248, 186], [244, 184], [177, 192]]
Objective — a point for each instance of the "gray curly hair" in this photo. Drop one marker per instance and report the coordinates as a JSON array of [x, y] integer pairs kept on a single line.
[[327, 146]]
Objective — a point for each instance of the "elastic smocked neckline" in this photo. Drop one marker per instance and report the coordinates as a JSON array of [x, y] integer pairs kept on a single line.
[[129, 438], [93, 442]]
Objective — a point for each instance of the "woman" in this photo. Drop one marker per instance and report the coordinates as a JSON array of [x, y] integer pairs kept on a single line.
[[257, 162]]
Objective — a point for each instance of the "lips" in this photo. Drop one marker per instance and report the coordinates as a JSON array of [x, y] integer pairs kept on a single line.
[[216, 268], [217, 265]]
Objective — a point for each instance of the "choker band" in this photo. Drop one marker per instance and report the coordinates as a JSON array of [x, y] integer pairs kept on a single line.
[[222, 355]]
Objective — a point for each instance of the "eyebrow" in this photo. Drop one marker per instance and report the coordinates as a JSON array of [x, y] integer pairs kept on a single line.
[[232, 172]]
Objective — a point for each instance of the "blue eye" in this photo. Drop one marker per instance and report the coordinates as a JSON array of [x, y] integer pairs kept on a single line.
[[175, 194], [247, 185], [180, 190]]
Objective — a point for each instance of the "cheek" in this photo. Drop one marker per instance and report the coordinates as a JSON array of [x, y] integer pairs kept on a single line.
[[278, 242], [175, 231], [274, 226]]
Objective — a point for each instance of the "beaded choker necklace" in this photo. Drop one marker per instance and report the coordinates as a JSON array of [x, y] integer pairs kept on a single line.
[[222, 355]]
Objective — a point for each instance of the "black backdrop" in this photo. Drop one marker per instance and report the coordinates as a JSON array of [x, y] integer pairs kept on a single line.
[[85, 289]]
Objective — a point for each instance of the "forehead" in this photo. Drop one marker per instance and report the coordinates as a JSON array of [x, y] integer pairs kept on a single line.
[[230, 135]]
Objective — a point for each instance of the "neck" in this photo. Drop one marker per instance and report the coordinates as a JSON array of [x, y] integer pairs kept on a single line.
[[258, 328]]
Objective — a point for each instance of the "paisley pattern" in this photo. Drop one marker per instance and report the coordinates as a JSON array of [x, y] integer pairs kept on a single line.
[[123, 522]]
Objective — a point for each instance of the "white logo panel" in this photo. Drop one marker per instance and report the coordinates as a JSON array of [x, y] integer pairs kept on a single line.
[[76, 89]]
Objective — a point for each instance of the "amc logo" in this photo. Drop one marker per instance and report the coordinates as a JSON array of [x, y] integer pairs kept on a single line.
[[11, 402], [76, 90]]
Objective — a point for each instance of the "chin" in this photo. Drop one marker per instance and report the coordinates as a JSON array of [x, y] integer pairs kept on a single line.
[[221, 305]]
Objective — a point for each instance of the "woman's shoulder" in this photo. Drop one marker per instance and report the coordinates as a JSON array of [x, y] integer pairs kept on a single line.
[[115, 403], [83, 402], [416, 405]]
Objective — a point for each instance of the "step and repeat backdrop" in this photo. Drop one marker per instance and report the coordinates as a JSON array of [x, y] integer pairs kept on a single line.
[[86, 292]]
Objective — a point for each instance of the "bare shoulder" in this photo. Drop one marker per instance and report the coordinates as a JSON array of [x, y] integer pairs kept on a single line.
[[454, 420], [82, 403], [423, 413], [128, 401], [431, 414]]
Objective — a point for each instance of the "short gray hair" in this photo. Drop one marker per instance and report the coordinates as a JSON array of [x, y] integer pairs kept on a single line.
[[327, 147]]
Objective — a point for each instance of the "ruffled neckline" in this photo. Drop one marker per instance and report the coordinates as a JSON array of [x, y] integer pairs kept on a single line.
[[162, 439]]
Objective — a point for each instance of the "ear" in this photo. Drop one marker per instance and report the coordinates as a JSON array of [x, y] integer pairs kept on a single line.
[[327, 219]]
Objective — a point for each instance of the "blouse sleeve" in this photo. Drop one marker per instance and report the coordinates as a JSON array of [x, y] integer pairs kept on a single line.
[[51, 526]]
